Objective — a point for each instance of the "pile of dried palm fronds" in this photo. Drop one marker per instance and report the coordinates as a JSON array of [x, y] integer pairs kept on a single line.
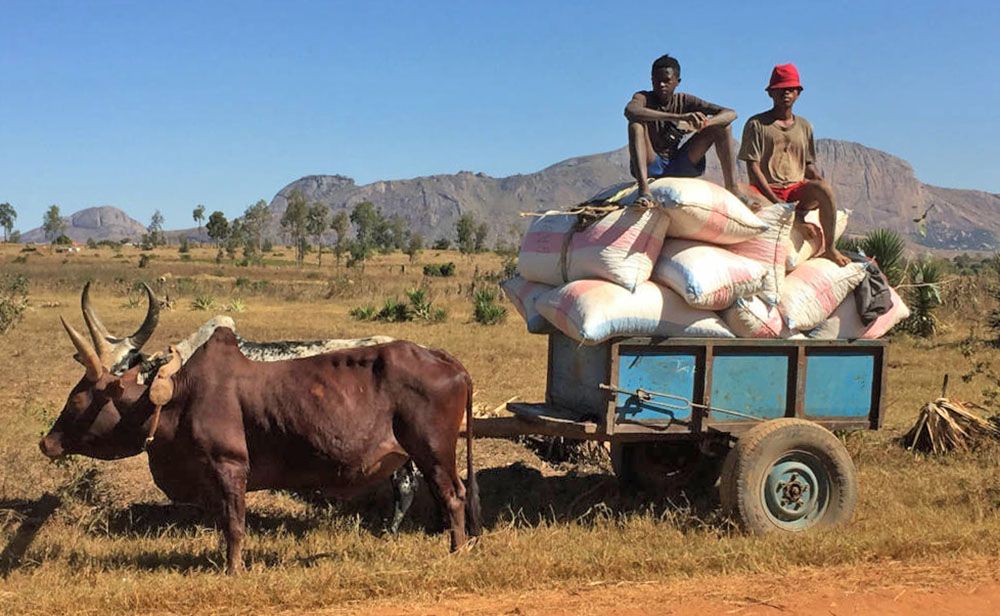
[[945, 425]]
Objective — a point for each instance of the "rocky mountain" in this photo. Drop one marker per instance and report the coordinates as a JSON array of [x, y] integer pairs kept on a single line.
[[881, 189], [98, 223]]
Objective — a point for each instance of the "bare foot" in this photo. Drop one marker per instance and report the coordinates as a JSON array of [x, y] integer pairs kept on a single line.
[[836, 256], [646, 201]]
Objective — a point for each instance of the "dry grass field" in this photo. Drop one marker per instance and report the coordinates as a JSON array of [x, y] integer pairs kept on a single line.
[[90, 537]]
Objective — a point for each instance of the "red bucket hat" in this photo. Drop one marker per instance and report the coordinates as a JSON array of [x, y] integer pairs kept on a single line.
[[784, 76]]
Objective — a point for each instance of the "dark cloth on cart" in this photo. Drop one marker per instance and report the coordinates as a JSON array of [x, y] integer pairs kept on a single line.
[[871, 297]]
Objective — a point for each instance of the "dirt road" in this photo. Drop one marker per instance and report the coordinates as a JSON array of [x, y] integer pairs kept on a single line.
[[966, 588]]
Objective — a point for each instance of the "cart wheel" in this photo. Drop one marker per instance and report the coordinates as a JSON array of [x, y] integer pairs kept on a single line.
[[788, 475], [663, 467]]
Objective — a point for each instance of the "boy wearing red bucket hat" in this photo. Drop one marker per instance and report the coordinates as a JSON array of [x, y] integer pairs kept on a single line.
[[781, 157], [660, 119]]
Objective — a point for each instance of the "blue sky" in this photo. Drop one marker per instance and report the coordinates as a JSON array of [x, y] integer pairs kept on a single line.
[[165, 105]]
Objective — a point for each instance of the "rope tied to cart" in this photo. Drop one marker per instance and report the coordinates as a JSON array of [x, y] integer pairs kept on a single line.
[[647, 396]]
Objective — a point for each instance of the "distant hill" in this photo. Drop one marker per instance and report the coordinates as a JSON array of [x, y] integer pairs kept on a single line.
[[98, 223], [881, 189]]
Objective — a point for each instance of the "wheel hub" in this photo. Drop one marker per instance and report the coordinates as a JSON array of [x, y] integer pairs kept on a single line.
[[795, 491]]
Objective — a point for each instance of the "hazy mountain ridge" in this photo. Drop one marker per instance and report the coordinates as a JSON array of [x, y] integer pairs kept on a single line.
[[881, 190]]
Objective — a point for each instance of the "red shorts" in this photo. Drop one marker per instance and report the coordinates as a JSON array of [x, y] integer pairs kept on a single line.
[[787, 194]]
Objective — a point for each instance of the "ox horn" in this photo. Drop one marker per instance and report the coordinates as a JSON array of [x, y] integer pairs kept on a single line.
[[98, 332], [109, 347], [85, 353], [141, 335]]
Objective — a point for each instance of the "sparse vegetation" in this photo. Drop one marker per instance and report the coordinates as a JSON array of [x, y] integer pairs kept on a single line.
[[925, 297], [203, 302], [13, 300], [486, 309], [115, 545], [440, 270]]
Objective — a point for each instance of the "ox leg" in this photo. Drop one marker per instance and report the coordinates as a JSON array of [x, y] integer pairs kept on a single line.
[[448, 490], [232, 480], [404, 487]]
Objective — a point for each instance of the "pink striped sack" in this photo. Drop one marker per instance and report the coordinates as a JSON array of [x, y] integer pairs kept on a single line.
[[845, 323], [523, 294], [751, 317], [620, 247], [770, 248], [814, 290], [801, 249], [707, 277], [592, 311], [701, 210]]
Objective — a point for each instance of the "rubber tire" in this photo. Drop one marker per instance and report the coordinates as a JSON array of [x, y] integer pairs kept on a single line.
[[644, 466], [751, 459]]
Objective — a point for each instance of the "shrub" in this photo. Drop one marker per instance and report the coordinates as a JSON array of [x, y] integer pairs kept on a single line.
[[440, 270], [13, 300], [144, 259], [486, 310], [185, 246], [62, 240], [362, 313], [91, 243], [442, 244], [886, 247], [924, 298], [203, 302], [236, 305], [416, 307]]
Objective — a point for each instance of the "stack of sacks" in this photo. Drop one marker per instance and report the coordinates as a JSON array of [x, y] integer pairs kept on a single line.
[[701, 265]]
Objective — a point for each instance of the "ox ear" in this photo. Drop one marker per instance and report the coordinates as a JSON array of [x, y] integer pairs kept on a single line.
[[161, 391]]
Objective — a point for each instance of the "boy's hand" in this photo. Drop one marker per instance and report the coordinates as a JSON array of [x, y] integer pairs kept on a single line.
[[696, 120]]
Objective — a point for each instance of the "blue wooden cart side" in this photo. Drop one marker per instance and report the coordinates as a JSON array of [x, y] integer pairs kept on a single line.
[[836, 383]]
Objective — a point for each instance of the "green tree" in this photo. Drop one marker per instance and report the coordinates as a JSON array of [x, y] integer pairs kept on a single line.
[[217, 227], [52, 223], [466, 230], [368, 223], [154, 232], [395, 234], [7, 218], [340, 223], [255, 220], [482, 230], [295, 222], [199, 215], [318, 221], [414, 246], [236, 237]]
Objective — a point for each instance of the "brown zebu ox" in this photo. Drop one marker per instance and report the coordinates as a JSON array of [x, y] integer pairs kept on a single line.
[[338, 422]]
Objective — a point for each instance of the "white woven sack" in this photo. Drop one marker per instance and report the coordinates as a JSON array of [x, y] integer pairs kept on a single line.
[[814, 290], [707, 277], [523, 294], [592, 311], [845, 323], [620, 247], [770, 248], [801, 249], [751, 317], [701, 210]]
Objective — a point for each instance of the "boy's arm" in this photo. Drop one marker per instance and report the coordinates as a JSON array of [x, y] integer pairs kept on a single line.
[[637, 111], [758, 180], [751, 151], [812, 172]]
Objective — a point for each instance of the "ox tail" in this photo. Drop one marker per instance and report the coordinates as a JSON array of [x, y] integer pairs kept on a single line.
[[473, 512]]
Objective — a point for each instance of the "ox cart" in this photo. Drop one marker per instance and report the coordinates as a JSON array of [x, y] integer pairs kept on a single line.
[[755, 415]]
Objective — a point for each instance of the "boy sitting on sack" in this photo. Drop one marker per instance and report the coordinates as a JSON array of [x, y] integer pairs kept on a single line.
[[780, 155]]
